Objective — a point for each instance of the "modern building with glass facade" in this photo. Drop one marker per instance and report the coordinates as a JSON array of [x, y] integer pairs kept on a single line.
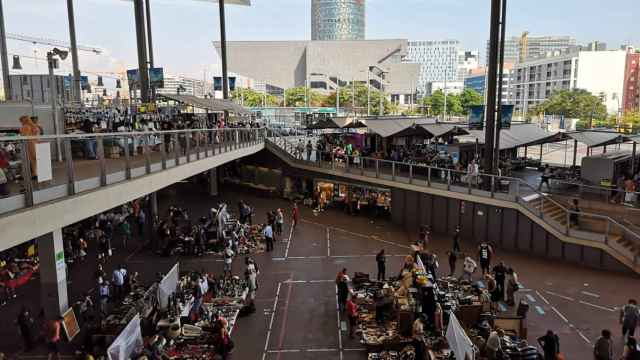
[[337, 19]]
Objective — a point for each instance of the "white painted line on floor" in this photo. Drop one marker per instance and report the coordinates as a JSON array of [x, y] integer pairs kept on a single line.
[[294, 281], [316, 257], [586, 339], [321, 350], [590, 294], [339, 330], [328, 244], [284, 351], [597, 306], [560, 314], [559, 295], [277, 259], [297, 257], [286, 252], [321, 281], [542, 297]]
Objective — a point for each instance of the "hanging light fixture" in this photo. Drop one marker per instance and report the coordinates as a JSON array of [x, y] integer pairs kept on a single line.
[[16, 63], [100, 83], [118, 84], [104, 92]]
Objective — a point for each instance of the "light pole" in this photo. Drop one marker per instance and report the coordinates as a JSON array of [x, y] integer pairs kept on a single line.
[[53, 94], [369, 91], [75, 88], [338, 96], [4, 56], [143, 66]]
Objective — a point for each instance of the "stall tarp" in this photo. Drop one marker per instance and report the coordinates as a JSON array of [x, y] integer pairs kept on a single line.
[[168, 286], [386, 127], [128, 342], [439, 130], [519, 135], [597, 138], [458, 340], [341, 122]]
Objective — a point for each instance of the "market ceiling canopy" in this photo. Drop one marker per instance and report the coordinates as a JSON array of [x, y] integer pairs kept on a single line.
[[386, 127], [520, 135], [597, 138], [215, 105]]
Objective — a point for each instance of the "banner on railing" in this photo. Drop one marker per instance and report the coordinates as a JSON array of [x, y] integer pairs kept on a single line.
[[476, 117]]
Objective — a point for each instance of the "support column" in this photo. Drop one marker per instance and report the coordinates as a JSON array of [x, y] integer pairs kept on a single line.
[[575, 152], [492, 87], [75, 88], [4, 56], [213, 182], [154, 220], [53, 274], [143, 66]]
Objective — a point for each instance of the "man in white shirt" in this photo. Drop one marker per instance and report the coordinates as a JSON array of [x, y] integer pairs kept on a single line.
[[268, 236], [493, 344], [228, 260], [118, 282]]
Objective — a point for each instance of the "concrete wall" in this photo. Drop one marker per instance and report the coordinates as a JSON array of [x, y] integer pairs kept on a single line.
[[505, 228]]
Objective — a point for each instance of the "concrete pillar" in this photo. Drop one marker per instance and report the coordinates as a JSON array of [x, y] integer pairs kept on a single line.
[[213, 182], [53, 275], [154, 204]]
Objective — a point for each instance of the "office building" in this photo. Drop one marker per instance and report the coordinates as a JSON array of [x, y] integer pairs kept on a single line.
[[322, 65], [438, 61], [190, 86], [525, 47], [599, 72], [477, 80], [468, 60], [453, 87], [631, 95], [337, 20]]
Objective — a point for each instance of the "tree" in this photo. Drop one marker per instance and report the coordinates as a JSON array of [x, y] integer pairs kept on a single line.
[[631, 120], [361, 100], [435, 104], [575, 104], [296, 97], [252, 98], [469, 98]]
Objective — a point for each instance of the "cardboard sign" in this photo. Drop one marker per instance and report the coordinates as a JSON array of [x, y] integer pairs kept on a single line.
[[70, 324]]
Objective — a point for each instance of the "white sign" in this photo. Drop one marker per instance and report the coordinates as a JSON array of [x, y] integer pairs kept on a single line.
[[43, 162]]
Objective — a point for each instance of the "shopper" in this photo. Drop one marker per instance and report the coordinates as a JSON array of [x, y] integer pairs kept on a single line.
[[309, 150], [299, 149], [30, 129], [546, 175], [26, 325], [352, 315], [125, 231], [513, 285], [500, 274], [417, 331], [118, 283], [268, 236], [142, 221], [603, 348], [104, 293], [279, 221], [469, 267], [228, 261], [381, 260], [492, 289], [485, 252], [343, 293], [574, 215], [456, 240], [295, 214], [53, 337], [494, 346], [630, 192], [629, 316], [550, 344], [453, 258]]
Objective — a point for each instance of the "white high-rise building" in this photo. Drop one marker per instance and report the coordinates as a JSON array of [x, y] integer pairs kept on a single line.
[[468, 60], [438, 60], [190, 86]]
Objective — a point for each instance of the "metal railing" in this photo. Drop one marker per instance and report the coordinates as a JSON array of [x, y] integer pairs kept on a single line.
[[591, 192], [582, 225], [90, 161]]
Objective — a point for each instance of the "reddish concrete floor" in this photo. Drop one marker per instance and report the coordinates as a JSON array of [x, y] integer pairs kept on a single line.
[[296, 314]]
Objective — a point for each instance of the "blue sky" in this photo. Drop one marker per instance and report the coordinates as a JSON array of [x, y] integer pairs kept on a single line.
[[184, 29]]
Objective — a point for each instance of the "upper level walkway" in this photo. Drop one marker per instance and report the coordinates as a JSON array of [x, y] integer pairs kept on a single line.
[[594, 230], [126, 166]]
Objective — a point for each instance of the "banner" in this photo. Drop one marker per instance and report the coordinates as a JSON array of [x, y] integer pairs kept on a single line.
[[217, 83], [506, 112], [133, 76], [476, 117], [232, 83], [156, 78], [168, 286], [128, 342], [67, 80]]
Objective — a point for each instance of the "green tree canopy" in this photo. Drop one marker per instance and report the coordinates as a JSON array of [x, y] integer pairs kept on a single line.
[[361, 100], [253, 98], [295, 97], [469, 98], [435, 104], [576, 104]]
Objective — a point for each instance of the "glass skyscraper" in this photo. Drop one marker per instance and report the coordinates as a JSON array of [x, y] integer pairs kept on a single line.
[[337, 19]]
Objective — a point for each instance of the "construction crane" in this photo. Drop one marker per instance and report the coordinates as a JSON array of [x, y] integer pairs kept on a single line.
[[524, 47], [52, 42]]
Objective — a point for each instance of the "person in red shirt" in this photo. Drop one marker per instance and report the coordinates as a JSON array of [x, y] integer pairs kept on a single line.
[[352, 314], [295, 214], [53, 338]]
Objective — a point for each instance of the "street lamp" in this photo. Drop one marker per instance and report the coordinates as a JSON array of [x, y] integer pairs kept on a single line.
[[53, 95]]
